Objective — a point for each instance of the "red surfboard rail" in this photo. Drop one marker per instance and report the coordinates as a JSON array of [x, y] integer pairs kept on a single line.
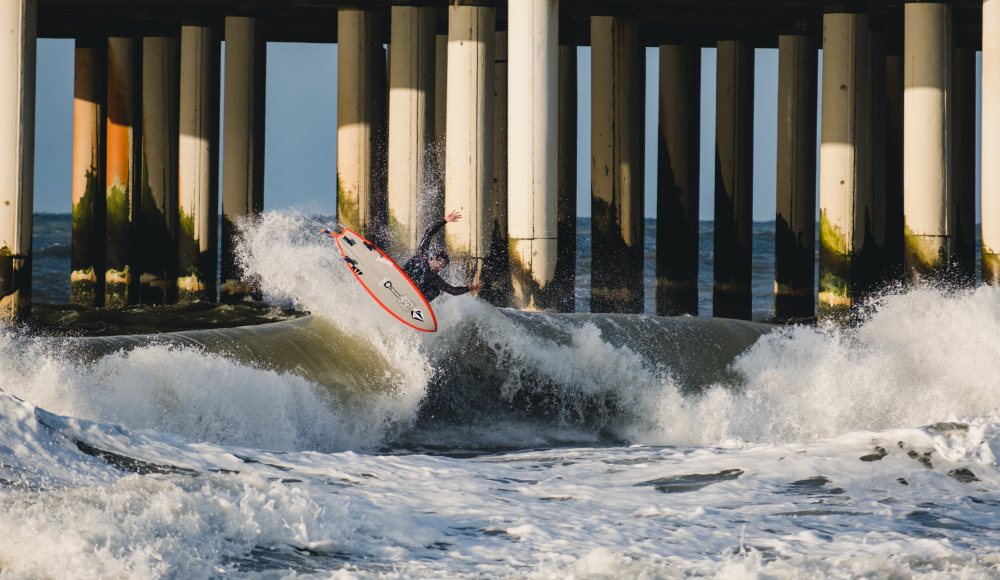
[[384, 280]]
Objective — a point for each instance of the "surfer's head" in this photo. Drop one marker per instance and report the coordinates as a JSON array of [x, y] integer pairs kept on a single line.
[[438, 261]]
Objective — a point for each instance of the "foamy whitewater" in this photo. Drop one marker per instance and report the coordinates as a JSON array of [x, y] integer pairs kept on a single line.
[[507, 445]]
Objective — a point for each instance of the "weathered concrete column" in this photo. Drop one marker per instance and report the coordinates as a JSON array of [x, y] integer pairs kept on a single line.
[[927, 195], [17, 142], [123, 171], [243, 134], [869, 264], [440, 117], [678, 180], [198, 199], [892, 264], [468, 181], [731, 293], [795, 235], [617, 113], [845, 168], [156, 234], [533, 152], [87, 251], [990, 148], [359, 112], [565, 281], [963, 149], [411, 124], [497, 268]]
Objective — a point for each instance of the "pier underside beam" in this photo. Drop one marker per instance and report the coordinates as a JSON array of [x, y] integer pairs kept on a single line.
[[617, 113], [156, 235], [795, 235], [534, 152], [678, 180], [243, 133], [198, 173], [731, 294], [469, 151], [845, 158], [87, 248], [927, 163]]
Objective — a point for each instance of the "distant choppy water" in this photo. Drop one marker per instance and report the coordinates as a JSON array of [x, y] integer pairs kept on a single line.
[[591, 452]]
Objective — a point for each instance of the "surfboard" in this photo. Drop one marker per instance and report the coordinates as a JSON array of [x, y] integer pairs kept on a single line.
[[384, 280]]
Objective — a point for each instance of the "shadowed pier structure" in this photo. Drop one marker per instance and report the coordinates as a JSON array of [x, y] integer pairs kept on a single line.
[[471, 105]]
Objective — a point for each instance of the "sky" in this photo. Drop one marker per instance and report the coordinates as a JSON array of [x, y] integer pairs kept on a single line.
[[301, 128]]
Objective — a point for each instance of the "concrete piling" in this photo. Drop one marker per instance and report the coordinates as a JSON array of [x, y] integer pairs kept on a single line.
[[678, 180], [198, 175], [436, 201], [156, 233], [963, 159], [496, 268], [795, 223], [17, 121], [927, 130], [845, 157], [243, 156], [359, 112], [469, 150], [87, 251], [731, 294], [565, 276], [990, 147], [892, 263], [617, 113], [534, 152], [483, 120], [123, 167], [411, 124]]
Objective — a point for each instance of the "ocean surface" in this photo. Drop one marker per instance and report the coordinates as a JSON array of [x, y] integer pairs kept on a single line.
[[507, 444]]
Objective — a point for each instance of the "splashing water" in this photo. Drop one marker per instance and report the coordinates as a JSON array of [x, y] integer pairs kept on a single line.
[[510, 444]]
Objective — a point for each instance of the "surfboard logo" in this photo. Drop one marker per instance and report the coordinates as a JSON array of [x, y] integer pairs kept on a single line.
[[417, 315], [403, 300]]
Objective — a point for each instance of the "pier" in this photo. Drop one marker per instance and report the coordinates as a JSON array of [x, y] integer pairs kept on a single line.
[[484, 92]]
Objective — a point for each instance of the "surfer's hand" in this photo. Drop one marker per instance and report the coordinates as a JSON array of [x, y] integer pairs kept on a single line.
[[453, 217], [475, 287]]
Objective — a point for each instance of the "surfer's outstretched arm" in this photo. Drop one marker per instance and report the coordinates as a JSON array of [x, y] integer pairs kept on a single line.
[[434, 228], [425, 241], [455, 290]]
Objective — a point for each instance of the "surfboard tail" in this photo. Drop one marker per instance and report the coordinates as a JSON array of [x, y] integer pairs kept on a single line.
[[335, 230]]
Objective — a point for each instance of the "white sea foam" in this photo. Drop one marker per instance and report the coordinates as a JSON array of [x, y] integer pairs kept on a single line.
[[921, 357], [863, 452], [922, 508]]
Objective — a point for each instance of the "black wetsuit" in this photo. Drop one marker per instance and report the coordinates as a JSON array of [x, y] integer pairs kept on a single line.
[[417, 268]]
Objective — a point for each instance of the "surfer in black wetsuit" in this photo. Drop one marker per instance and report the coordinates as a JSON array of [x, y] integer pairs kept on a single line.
[[425, 264]]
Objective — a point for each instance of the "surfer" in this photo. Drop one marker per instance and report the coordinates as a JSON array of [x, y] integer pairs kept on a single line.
[[424, 266]]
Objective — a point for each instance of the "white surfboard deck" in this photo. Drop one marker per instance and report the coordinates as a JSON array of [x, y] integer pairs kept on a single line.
[[385, 281]]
